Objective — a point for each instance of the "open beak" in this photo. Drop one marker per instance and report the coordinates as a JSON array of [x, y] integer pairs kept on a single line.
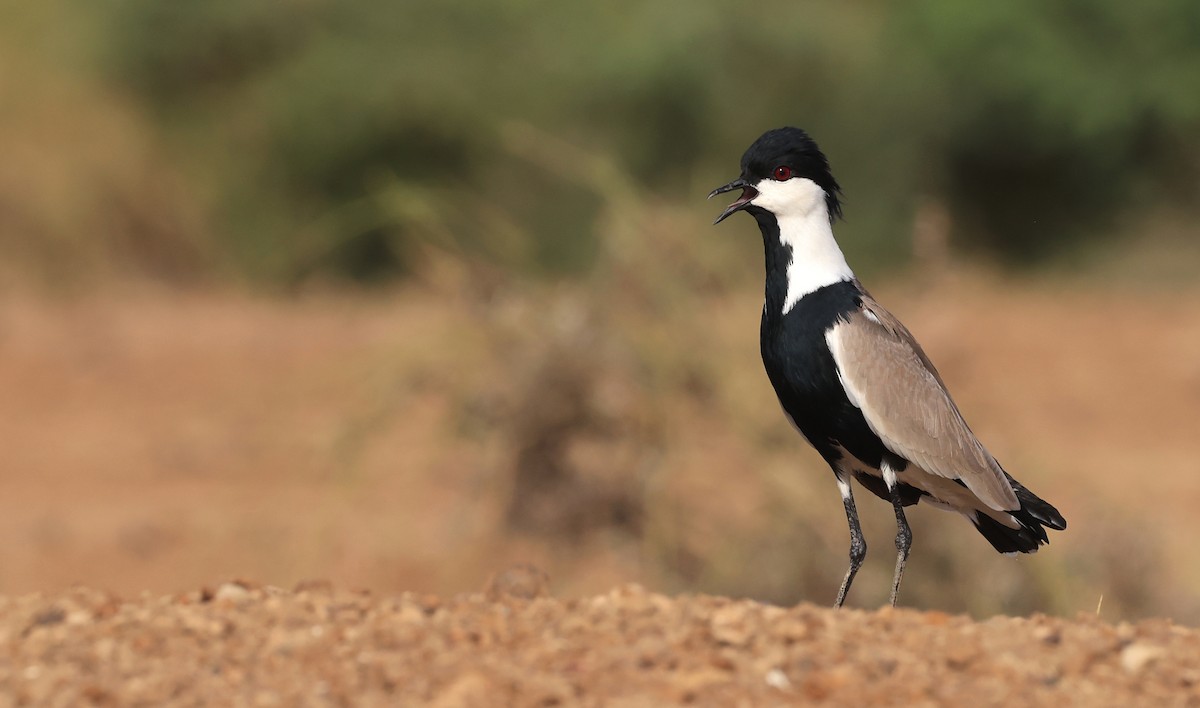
[[748, 193]]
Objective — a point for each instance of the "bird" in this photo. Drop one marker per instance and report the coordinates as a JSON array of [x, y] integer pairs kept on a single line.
[[853, 380]]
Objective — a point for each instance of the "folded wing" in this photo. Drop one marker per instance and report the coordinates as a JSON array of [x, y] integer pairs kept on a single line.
[[888, 377]]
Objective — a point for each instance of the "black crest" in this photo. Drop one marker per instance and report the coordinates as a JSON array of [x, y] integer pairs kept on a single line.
[[792, 147]]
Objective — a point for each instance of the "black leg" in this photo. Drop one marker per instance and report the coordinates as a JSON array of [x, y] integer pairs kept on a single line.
[[903, 534], [858, 544]]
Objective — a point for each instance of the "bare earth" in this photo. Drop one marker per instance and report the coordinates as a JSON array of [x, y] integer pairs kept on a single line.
[[512, 645], [161, 442], [154, 444]]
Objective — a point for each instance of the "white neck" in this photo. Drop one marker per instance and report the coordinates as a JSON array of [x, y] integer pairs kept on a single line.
[[816, 259], [803, 217]]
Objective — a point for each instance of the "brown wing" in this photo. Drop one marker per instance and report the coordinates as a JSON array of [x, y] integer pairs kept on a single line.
[[905, 403]]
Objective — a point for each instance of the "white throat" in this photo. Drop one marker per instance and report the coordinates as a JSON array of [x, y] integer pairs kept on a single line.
[[816, 259], [799, 208]]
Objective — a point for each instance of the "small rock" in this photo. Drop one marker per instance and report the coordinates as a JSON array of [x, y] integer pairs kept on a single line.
[[729, 625], [470, 689], [231, 591], [777, 679], [49, 616], [1138, 655], [1047, 635], [1126, 632], [522, 581]]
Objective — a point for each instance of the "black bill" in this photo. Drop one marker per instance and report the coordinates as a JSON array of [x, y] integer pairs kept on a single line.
[[748, 193]]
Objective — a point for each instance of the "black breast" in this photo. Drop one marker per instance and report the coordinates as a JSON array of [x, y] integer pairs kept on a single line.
[[801, 369]]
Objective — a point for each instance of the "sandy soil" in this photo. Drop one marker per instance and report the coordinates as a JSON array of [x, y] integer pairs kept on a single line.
[[239, 644], [154, 444]]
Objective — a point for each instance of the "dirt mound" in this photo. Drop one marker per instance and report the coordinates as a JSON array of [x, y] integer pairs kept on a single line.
[[512, 645]]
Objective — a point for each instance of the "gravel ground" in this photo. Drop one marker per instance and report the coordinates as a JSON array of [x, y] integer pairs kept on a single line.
[[243, 644]]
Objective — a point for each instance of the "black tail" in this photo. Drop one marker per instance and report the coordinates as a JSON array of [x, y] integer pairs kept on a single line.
[[1032, 518]]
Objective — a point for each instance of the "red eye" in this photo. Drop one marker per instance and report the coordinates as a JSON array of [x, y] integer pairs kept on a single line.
[[782, 173]]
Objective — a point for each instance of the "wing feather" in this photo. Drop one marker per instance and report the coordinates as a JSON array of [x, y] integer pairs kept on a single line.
[[887, 375]]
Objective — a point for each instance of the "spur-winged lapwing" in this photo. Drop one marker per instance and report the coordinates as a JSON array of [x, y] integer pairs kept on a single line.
[[852, 379]]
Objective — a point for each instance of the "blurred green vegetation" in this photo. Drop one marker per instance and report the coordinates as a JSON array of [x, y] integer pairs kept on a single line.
[[278, 142]]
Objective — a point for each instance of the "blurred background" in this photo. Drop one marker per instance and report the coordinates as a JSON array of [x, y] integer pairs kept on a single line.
[[400, 294]]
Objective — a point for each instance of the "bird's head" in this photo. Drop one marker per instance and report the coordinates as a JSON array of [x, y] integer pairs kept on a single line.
[[783, 173]]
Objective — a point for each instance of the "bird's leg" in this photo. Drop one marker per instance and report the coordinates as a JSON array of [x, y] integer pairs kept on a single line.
[[903, 533], [858, 544]]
